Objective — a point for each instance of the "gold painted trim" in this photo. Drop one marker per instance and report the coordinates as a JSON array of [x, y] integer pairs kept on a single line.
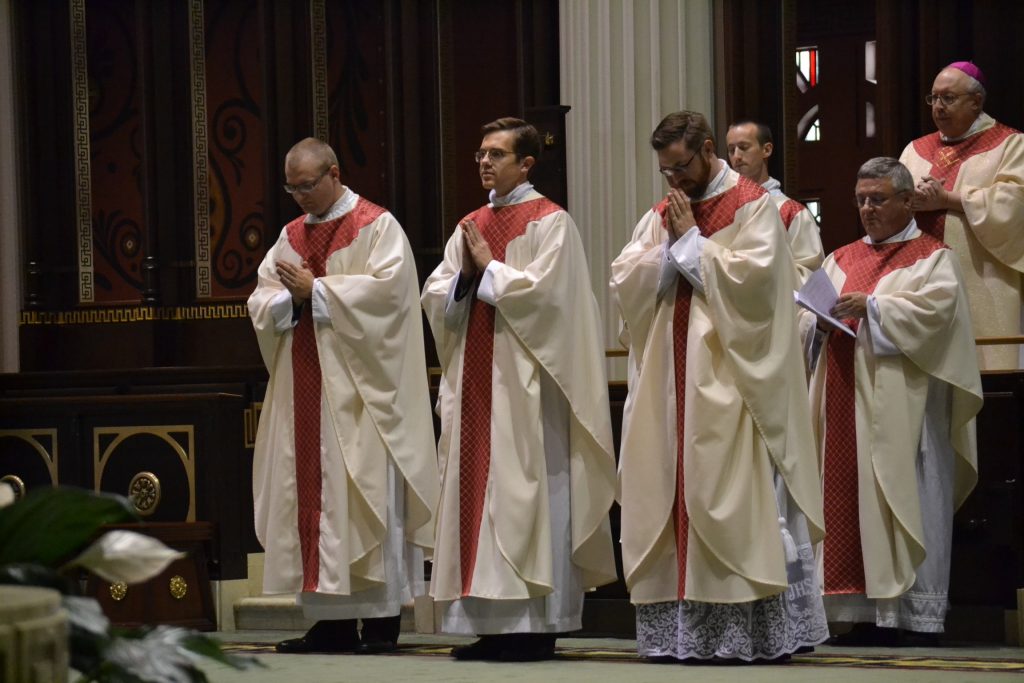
[[318, 61], [187, 455], [200, 149], [135, 314], [252, 422], [31, 437], [83, 166]]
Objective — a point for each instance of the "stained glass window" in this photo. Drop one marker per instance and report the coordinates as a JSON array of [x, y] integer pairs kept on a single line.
[[808, 128], [806, 68], [814, 206]]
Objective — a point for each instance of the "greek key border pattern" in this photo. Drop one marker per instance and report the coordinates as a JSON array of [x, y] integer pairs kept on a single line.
[[318, 60], [83, 167], [136, 314], [200, 149]]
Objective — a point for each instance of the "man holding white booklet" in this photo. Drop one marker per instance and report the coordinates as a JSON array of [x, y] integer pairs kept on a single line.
[[894, 398]]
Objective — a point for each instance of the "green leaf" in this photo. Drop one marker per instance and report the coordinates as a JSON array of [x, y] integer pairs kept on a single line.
[[49, 526]]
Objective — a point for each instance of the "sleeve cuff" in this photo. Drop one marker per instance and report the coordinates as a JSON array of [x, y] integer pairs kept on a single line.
[[321, 314], [880, 343], [485, 292], [283, 311], [685, 256]]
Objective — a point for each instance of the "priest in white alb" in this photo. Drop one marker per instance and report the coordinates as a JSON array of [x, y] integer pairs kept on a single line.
[[526, 448], [344, 477], [721, 500], [970, 195], [895, 410]]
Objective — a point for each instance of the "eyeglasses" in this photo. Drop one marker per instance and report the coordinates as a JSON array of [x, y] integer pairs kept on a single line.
[[947, 99], [495, 154], [305, 188], [870, 202], [671, 171]]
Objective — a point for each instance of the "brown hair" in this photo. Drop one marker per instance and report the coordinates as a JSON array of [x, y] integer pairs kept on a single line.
[[689, 126], [525, 138]]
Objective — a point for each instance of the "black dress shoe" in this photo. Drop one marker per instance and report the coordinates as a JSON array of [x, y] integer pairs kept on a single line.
[[376, 647], [486, 648], [326, 637], [919, 639], [527, 647], [866, 635]]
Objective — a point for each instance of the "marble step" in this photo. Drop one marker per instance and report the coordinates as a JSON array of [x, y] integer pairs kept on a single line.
[[280, 613]]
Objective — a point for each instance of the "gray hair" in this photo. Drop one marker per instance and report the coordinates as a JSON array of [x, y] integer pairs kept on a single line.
[[887, 167], [974, 87]]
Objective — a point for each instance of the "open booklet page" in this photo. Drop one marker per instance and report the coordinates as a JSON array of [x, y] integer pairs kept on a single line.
[[819, 297]]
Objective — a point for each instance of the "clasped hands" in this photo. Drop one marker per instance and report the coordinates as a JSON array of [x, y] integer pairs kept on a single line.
[[476, 253], [929, 195], [678, 214], [298, 280]]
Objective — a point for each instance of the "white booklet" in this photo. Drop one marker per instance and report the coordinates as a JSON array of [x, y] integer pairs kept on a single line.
[[819, 296]]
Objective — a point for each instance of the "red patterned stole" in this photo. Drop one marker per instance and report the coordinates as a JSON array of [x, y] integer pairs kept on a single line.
[[499, 226], [864, 265], [946, 159], [314, 242], [789, 209], [710, 216]]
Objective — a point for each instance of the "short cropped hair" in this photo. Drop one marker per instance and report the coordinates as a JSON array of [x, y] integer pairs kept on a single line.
[[764, 133], [887, 167], [525, 138], [689, 126], [317, 149]]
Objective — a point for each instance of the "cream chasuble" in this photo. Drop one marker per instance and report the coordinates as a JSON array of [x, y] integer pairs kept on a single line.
[[987, 169], [347, 409], [721, 388], [870, 410], [802, 232], [494, 537]]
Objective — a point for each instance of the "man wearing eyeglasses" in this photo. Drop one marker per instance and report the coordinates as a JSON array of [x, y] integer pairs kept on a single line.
[[749, 146], [526, 447], [895, 407], [720, 495], [970, 194], [344, 478]]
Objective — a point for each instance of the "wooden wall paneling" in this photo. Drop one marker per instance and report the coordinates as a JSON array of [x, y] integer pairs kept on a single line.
[[117, 242], [43, 62], [356, 94], [417, 182], [288, 103], [748, 87], [236, 106]]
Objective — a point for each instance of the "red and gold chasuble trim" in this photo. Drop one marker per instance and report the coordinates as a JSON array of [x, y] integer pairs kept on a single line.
[[789, 209], [710, 216], [314, 242], [864, 265], [946, 159], [499, 226]]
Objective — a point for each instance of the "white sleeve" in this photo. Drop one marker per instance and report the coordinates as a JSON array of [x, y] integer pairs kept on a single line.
[[879, 342], [282, 311], [485, 292], [320, 312], [685, 255]]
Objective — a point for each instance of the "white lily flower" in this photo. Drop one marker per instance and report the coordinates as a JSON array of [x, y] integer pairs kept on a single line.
[[86, 614], [160, 656], [127, 556]]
